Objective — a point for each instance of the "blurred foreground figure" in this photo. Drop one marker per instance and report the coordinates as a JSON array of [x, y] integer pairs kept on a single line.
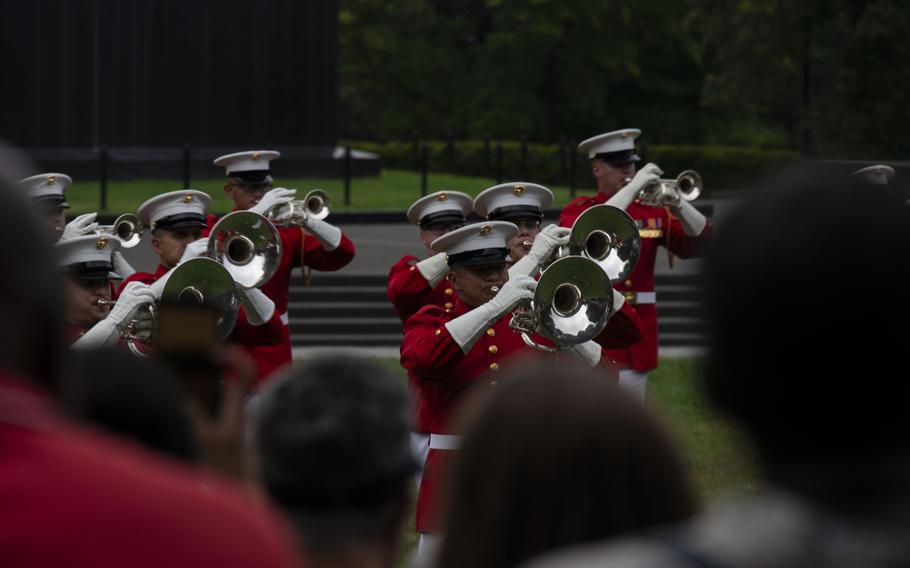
[[73, 497], [333, 450], [554, 457], [813, 375]]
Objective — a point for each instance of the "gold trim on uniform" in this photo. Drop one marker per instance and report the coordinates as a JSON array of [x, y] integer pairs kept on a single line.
[[491, 332], [493, 349], [449, 291], [494, 367]]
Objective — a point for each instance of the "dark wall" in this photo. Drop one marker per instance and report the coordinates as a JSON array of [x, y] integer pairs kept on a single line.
[[165, 72]]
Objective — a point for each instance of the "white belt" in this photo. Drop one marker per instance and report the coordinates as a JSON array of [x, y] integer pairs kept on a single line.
[[640, 297], [444, 442], [284, 318]]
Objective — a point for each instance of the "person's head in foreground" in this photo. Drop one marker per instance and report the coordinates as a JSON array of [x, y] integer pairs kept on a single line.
[[332, 450], [805, 296], [558, 456]]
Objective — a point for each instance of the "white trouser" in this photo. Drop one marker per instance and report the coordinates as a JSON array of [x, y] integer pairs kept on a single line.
[[634, 382], [427, 550], [420, 447]]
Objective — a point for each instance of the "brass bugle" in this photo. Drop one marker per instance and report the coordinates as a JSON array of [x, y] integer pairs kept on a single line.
[[127, 228]]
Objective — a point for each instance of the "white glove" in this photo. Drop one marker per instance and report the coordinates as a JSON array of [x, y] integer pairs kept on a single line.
[[466, 329], [588, 352], [546, 241], [195, 249], [80, 226], [259, 308], [434, 268], [328, 235], [645, 176], [618, 301], [121, 266], [272, 198], [127, 308], [692, 220]]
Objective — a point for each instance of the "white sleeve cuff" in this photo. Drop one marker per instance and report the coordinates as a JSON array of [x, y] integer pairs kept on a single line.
[[433, 269], [259, 308], [328, 235], [102, 333], [526, 266], [467, 329], [692, 220]]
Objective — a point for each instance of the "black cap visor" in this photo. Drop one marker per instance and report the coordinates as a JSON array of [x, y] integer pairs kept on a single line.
[[481, 257]]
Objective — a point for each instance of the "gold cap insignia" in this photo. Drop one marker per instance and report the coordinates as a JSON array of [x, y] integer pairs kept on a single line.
[[624, 134], [51, 179], [518, 189], [879, 171], [188, 197], [255, 156], [442, 197], [101, 243], [485, 229]]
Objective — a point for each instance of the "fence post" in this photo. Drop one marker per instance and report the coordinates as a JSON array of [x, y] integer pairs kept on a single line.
[[573, 162], [562, 159], [499, 162], [187, 164], [423, 170], [487, 154], [524, 157], [450, 151], [347, 176], [103, 157]]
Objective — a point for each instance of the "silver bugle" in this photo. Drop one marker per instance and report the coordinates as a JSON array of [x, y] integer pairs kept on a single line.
[[494, 289], [105, 302], [527, 243]]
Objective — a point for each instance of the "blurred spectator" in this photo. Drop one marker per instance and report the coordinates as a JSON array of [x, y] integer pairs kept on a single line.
[[804, 293], [73, 497], [333, 449], [135, 398], [558, 456]]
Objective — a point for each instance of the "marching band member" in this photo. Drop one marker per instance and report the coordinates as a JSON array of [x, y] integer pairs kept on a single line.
[[49, 193], [448, 350], [681, 228], [176, 220], [523, 204], [413, 284], [86, 265], [318, 245]]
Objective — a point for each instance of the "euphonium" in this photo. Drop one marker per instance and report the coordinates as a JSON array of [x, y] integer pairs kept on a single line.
[[201, 281], [248, 246], [686, 187], [127, 228], [572, 303], [609, 237], [315, 204]]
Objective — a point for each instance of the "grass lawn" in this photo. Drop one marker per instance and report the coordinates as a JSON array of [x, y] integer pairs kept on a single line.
[[719, 462], [391, 190]]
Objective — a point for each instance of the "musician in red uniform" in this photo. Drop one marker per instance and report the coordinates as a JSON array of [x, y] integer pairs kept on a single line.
[[532, 249], [449, 350], [317, 245], [414, 284], [48, 193], [680, 227], [176, 219], [86, 265]]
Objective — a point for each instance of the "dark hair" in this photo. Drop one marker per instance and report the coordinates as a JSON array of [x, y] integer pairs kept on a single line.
[[30, 289], [805, 292], [558, 456], [333, 436], [134, 398]]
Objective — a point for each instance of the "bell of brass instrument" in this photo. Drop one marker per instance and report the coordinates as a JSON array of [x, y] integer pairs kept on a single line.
[[686, 187], [572, 303], [248, 246], [127, 228], [608, 236], [315, 204], [201, 281]]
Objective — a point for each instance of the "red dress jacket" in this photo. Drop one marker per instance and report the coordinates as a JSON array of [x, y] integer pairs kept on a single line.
[[658, 227], [445, 374], [74, 497], [409, 291], [297, 250]]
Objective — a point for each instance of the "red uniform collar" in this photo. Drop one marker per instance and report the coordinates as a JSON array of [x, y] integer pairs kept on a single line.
[[460, 308], [160, 271]]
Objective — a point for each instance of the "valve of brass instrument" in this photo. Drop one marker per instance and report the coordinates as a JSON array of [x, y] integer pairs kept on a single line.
[[670, 192], [316, 204]]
